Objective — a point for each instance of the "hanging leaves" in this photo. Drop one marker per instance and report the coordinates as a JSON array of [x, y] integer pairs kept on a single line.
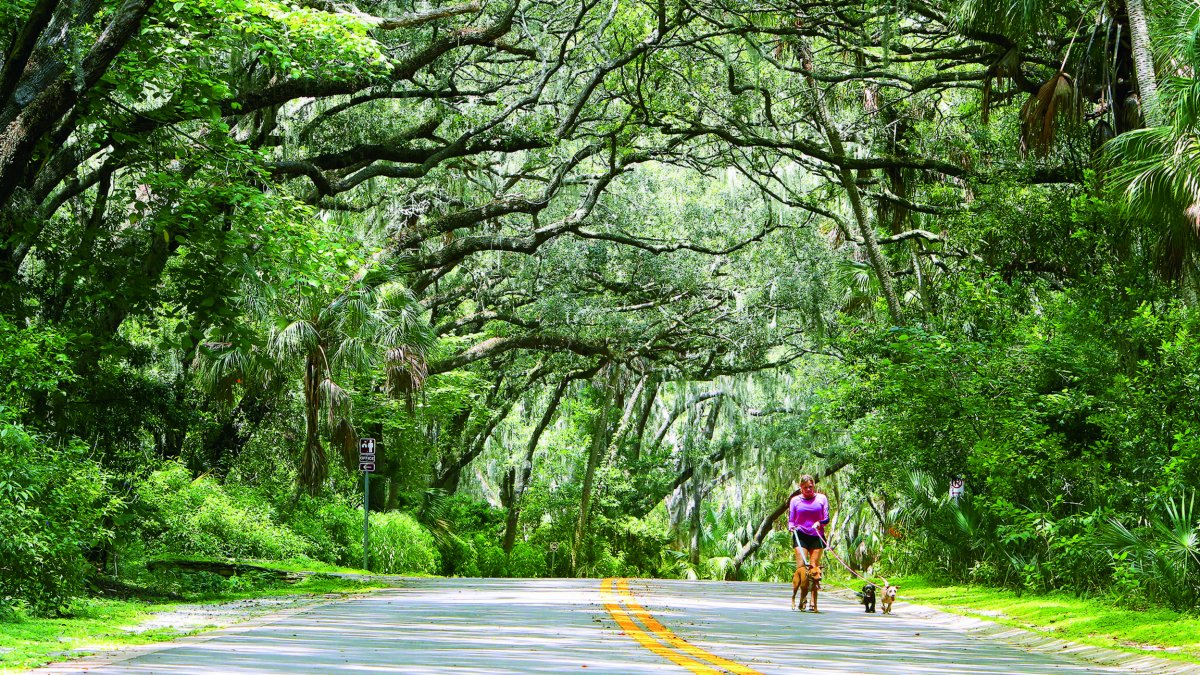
[[1003, 68], [1057, 104], [406, 369]]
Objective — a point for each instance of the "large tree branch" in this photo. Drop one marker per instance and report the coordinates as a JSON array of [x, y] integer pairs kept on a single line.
[[493, 347]]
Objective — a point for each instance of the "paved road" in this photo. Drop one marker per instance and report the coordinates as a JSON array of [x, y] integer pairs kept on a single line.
[[577, 625]]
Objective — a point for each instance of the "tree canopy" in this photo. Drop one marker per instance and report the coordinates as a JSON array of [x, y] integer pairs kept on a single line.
[[612, 275]]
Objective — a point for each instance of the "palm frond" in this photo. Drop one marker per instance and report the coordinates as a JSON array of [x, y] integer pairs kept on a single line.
[[1056, 104], [1003, 68], [298, 337], [336, 400], [354, 353], [1178, 531], [406, 370], [1020, 20], [1157, 171], [1113, 534], [344, 439]]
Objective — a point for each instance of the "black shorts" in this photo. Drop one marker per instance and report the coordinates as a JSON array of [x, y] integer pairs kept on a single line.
[[809, 541]]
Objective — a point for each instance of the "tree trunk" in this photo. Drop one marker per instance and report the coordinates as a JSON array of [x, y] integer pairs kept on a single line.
[[314, 466], [448, 475], [448, 478], [599, 443], [25, 123], [226, 443], [626, 419], [520, 475], [1143, 62], [866, 229], [698, 486], [639, 430], [694, 524]]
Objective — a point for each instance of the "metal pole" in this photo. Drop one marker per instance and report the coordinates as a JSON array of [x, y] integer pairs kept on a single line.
[[366, 519]]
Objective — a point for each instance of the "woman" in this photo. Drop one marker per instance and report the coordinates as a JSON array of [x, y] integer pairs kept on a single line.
[[808, 513]]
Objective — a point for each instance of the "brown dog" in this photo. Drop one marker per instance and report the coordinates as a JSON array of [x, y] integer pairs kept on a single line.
[[889, 596], [806, 581]]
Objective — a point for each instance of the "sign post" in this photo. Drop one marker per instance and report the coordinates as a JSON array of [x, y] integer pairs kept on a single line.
[[366, 464], [553, 549]]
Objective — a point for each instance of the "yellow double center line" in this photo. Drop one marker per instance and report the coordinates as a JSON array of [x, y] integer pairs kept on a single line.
[[657, 638]]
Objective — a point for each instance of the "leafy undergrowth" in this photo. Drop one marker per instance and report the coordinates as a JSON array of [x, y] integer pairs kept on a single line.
[[1093, 621], [301, 564], [89, 625]]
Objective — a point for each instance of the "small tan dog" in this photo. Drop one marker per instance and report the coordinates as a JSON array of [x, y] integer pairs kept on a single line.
[[889, 596], [806, 581]]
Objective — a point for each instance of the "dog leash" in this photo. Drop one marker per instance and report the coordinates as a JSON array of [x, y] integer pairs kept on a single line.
[[829, 549]]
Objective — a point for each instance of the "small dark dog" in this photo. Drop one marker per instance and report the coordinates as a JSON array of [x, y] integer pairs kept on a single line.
[[889, 596], [868, 597]]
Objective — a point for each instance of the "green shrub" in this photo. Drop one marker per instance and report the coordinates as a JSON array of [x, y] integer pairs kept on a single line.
[[200, 517], [492, 561], [526, 561], [459, 558], [33, 359], [333, 527], [53, 506], [400, 545], [467, 515]]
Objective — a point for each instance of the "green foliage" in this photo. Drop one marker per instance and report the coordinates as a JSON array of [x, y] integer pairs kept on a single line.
[[526, 562], [333, 527], [54, 508], [36, 361], [1162, 558], [490, 556], [200, 516], [401, 545], [459, 558], [203, 273]]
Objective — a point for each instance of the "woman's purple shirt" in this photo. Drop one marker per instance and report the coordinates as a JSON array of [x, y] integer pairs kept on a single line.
[[804, 514]]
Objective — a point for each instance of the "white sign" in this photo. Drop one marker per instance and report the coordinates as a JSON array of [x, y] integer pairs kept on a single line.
[[368, 467], [553, 546], [366, 451], [956, 488]]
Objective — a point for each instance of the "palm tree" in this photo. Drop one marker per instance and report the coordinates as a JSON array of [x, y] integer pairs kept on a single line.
[[1157, 169], [1143, 61], [326, 338]]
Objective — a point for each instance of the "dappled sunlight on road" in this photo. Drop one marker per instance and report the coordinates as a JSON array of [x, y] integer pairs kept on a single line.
[[493, 626], [753, 624]]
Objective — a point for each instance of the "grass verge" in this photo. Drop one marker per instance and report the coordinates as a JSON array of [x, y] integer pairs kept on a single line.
[[1093, 621], [90, 625]]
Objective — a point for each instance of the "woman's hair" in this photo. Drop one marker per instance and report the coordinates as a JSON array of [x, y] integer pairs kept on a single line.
[[807, 479]]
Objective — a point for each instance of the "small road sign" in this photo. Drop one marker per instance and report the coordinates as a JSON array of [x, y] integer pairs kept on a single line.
[[553, 546], [366, 451], [956, 487], [367, 467]]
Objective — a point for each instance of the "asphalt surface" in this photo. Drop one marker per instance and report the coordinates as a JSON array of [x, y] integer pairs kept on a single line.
[[491, 626]]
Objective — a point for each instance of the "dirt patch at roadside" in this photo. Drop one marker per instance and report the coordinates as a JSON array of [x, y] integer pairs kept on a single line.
[[181, 620], [187, 618]]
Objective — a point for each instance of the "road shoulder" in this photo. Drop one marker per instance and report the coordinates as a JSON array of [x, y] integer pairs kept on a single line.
[[1039, 642], [198, 623]]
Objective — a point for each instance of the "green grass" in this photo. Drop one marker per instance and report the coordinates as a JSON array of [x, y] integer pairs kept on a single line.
[[97, 624], [1094, 621]]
